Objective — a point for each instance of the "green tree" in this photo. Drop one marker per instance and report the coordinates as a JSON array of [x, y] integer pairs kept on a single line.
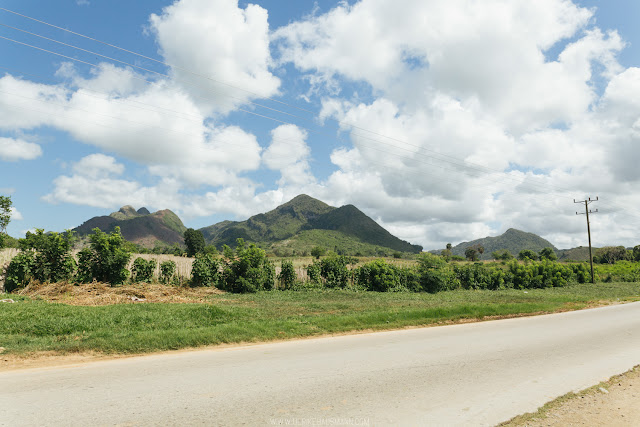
[[318, 251], [548, 253], [527, 254], [636, 253], [610, 254], [106, 258], [5, 217], [53, 261], [194, 241], [471, 253]]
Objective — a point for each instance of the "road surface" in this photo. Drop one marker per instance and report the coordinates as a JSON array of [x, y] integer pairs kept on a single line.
[[468, 374]]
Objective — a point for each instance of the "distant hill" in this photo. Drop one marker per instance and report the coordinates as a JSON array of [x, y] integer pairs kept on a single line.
[[305, 222], [581, 253], [141, 227], [512, 240]]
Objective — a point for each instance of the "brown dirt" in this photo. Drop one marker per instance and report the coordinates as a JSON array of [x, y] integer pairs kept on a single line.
[[613, 403], [104, 294]]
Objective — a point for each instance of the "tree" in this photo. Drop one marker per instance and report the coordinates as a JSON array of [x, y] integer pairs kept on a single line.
[[471, 253], [5, 217], [527, 254], [610, 254], [194, 240], [636, 253], [548, 253], [503, 255], [318, 251]]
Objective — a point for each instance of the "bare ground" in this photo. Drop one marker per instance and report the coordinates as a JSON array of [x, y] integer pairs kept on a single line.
[[613, 403]]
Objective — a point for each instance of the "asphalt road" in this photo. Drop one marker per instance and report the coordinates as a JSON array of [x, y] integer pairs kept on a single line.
[[469, 374]]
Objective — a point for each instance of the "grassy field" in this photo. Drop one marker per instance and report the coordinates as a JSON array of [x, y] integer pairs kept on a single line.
[[32, 325]]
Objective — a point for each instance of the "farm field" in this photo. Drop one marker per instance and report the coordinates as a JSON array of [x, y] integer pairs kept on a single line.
[[48, 321]]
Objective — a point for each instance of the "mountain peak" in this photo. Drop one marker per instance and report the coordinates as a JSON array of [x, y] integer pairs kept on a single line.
[[125, 212]]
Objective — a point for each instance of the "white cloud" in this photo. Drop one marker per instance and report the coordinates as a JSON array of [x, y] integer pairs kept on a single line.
[[15, 214], [218, 52], [17, 149], [98, 165], [289, 153]]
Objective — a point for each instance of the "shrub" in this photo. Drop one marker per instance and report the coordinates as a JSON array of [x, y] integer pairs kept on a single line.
[[167, 271], [318, 251], [205, 270], [106, 258], [18, 273], [287, 276], [334, 271], [53, 261], [248, 270], [435, 274], [143, 269], [379, 276], [313, 273]]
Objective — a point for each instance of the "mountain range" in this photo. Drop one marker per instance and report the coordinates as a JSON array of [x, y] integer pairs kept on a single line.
[[292, 228]]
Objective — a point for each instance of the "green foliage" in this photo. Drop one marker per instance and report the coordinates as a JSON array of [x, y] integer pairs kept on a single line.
[[5, 217], [334, 271], [248, 270], [318, 251], [636, 253], [53, 261], [167, 271], [142, 270], [527, 254], [435, 274], [206, 270], [18, 273], [313, 273], [379, 276], [194, 241], [545, 274], [287, 276], [503, 255], [479, 276], [106, 258], [548, 254], [610, 254], [471, 253]]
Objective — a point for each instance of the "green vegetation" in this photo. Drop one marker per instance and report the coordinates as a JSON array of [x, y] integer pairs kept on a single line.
[[194, 241], [33, 325], [105, 260], [512, 241], [5, 217]]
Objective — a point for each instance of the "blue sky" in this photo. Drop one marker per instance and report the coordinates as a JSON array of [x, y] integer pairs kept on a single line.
[[444, 121]]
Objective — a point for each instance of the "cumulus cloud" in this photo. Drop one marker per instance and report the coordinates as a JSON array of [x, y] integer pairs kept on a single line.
[[17, 149], [217, 51], [289, 153]]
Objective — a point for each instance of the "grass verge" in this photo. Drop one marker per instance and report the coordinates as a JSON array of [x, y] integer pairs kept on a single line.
[[32, 325]]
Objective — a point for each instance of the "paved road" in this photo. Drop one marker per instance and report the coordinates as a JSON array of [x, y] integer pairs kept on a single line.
[[470, 374]]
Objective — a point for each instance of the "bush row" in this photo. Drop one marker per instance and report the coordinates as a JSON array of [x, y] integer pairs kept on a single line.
[[46, 257]]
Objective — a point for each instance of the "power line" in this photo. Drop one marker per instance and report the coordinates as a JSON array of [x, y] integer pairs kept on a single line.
[[462, 164], [586, 203], [455, 161]]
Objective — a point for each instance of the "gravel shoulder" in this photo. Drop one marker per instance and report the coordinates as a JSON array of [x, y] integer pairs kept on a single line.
[[613, 402]]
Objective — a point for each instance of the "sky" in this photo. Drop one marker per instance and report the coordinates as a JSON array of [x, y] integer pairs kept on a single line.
[[443, 120]]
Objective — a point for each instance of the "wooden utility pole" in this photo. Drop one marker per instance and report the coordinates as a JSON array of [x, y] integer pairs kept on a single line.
[[587, 212]]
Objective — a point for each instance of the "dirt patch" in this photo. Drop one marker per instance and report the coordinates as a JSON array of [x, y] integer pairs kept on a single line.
[[104, 294], [613, 403]]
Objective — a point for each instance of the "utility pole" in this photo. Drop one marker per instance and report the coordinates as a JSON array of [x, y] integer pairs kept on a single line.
[[587, 212]]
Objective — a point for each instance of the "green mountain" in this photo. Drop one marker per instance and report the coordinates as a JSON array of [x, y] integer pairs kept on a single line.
[[512, 240], [141, 227], [305, 222]]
